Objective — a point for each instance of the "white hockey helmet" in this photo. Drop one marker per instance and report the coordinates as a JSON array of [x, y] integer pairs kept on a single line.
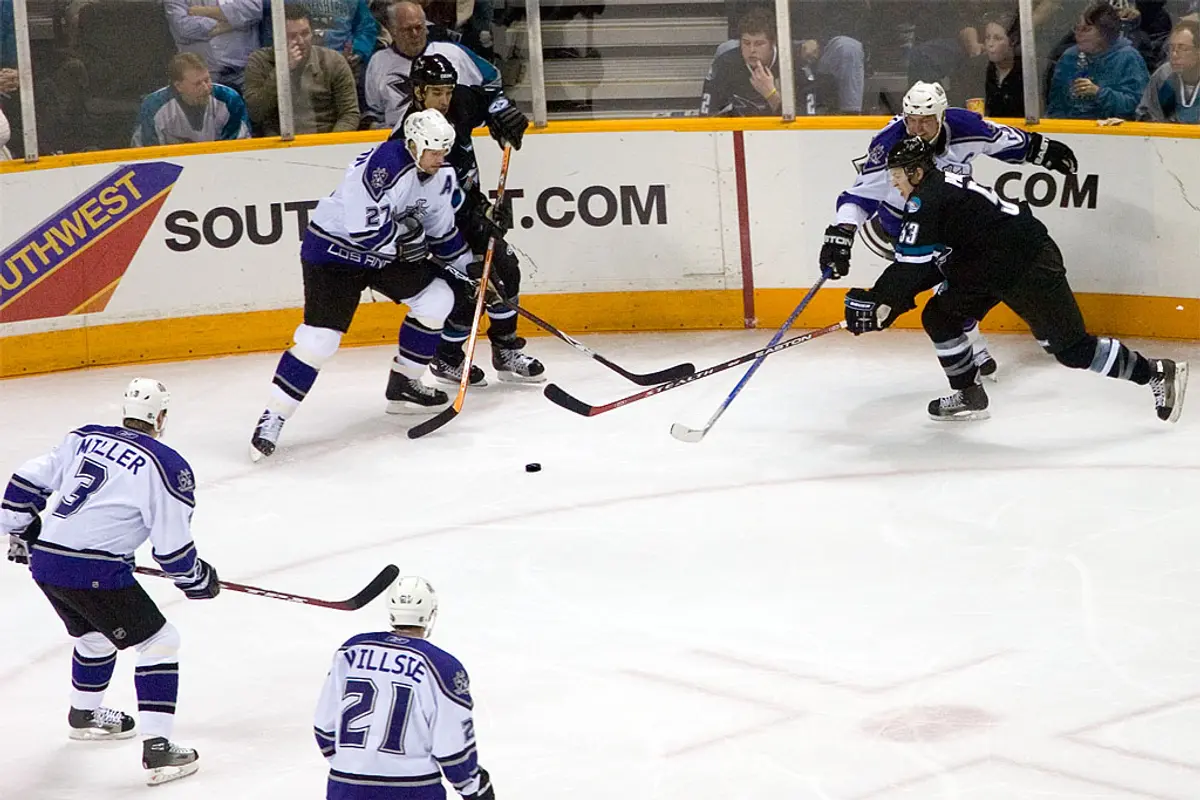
[[146, 399], [926, 100], [413, 602], [428, 130]]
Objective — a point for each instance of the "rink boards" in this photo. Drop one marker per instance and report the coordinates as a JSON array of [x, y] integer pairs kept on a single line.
[[656, 225]]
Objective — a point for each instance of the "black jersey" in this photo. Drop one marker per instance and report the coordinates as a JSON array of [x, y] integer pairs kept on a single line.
[[972, 234]]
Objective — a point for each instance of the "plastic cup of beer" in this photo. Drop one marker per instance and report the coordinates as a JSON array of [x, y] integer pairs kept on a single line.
[[975, 104]]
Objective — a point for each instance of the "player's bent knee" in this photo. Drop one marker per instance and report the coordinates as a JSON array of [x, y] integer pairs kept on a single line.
[[432, 305], [315, 346], [939, 324], [94, 645], [1078, 355], [161, 648]]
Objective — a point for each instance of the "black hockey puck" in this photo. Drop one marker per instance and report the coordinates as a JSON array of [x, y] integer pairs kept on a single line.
[[534, 467]]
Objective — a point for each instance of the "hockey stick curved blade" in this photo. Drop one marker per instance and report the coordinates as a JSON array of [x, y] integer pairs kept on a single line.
[[651, 378], [433, 423], [685, 434], [560, 398], [378, 585]]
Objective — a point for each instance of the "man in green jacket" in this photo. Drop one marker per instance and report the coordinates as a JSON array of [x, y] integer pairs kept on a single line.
[[324, 98]]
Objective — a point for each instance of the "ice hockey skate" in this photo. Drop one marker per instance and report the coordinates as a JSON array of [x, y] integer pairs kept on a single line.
[[961, 406], [266, 434], [512, 365], [1168, 381], [100, 725], [447, 369], [166, 761], [407, 395], [986, 364]]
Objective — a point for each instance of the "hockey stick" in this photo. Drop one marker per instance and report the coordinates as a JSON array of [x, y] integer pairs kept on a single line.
[[693, 435], [376, 587], [557, 396], [442, 417], [641, 379]]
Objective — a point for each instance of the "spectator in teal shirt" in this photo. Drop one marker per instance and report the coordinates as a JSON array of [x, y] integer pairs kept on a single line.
[[1102, 75]]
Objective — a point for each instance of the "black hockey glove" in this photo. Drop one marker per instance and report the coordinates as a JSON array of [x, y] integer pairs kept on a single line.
[[485, 788], [1051, 154], [410, 241], [865, 314], [835, 252], [495, 289], [203, 584], [491, 220], [506, 123], [18, 550]]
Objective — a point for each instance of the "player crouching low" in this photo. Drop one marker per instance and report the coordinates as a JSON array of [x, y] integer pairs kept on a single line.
[[992, 251], [394, 716], [117, 487], [377, 230]]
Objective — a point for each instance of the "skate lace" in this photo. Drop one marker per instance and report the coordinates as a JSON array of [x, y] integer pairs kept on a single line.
[[516, 360], [107, 717], [951, 401], [269, 425], [1158, 385]]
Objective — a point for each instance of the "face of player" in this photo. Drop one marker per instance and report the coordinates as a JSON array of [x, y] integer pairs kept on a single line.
[[1185, 57], [195, 87], [408, 28], [997, 44], [757, 48], [900, 179], [299, 36], [1089, 38], [431, 160], [926, 126], [437, 97]]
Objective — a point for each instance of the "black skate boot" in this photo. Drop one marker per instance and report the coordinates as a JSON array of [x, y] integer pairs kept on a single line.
[[103, 723], [409, 396], [446, 368], [968, 404], [1168, 381], [166, 761], [266, 434], [985, 363], [512, 365]]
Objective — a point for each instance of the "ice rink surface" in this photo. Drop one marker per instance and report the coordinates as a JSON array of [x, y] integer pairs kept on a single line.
[[830, 598]]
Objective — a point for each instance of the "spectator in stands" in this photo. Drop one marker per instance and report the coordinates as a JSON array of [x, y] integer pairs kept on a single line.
[[743, 80], [191, 109], [1101, 75], [346, 26], [324, 98], [223, 35], [10, 81], [1004, 87], [956, 60], [5, 132], [1171, 94]]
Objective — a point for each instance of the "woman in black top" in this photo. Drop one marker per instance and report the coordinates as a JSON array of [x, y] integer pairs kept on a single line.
[[1004, 90]]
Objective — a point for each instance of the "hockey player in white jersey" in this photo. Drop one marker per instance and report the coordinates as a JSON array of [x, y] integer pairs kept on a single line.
[[393, 208], [394, 716], [875, 207], [117, 487]]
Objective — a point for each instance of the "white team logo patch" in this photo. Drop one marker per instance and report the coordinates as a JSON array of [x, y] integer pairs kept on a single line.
[[877, 153], [417, 210], [379, 178], [461, 684], [185, 480]]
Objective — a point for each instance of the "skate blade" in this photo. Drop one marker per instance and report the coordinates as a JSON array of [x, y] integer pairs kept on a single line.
[[256, 455], [405, 407], [94, 735], [160, 775], [1181, 380], [512, 377], [965, 416]]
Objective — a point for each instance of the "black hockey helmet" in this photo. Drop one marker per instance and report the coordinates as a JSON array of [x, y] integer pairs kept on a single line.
[[911, 152], [432, 70]]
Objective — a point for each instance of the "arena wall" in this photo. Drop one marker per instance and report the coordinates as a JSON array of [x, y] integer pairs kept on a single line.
[[192, 251]]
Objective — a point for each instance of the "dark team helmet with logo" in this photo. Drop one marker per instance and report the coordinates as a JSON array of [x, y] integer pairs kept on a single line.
[[432, 70], [909, 153]]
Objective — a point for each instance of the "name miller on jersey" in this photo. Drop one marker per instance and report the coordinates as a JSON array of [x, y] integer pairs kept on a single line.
[[129, 458]]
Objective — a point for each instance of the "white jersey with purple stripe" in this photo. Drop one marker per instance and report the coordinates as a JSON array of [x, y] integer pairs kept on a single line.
[[394, 717], [356, 226], [964, 136], [116, 488]]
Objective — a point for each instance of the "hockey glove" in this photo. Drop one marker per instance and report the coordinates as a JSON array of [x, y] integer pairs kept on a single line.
[[835, 252], [410, 241], [506, 123], [485, 788], [864, 314], [18, 550], [495, 287], [491, 220], [202, 583], [1051, 154]]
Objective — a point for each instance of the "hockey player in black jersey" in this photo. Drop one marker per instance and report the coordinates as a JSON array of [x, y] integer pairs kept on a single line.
[[993, 251], [435, 85]]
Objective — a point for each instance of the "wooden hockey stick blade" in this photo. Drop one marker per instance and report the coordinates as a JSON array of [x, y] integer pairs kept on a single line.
[[560, 398], [376, 587], [685, 434]]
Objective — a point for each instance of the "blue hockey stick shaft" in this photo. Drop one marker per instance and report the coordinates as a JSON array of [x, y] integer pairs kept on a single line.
[[690, 435]]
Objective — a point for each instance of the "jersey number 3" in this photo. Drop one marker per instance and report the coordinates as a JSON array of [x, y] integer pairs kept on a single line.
[[91, 475], [361, 692]]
